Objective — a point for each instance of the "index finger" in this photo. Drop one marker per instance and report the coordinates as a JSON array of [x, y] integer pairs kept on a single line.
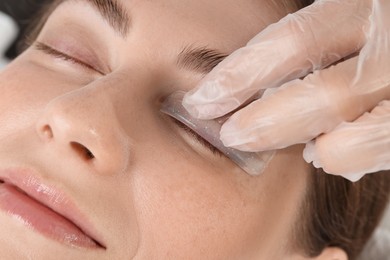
[[310, 39]]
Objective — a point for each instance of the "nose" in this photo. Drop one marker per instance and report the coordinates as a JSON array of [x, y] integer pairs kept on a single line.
[[83, 124]]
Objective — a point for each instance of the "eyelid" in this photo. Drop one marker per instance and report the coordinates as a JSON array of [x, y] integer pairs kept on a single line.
[[62, 55], [251, 162]]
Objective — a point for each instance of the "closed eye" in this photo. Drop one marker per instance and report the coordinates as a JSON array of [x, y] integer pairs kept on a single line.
[[198, 138], [61, 55]]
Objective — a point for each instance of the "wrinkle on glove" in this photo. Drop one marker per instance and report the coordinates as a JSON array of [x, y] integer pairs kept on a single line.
[[328, 104], [290, 49]]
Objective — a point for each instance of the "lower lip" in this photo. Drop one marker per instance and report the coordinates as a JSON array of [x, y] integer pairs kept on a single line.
[[41, 218]]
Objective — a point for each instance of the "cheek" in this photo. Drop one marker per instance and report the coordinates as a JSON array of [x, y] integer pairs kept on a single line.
[[26, 88], [15, 90], [186, 209], [20, 98], [186, 217]]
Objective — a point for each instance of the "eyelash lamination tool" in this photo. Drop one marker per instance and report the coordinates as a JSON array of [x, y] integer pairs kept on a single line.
[[252, 163]]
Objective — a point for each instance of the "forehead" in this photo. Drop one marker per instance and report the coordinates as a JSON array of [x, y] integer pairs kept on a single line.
[[229, 23]]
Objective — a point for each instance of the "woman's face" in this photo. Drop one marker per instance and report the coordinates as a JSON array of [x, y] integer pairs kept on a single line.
[[85, 137]]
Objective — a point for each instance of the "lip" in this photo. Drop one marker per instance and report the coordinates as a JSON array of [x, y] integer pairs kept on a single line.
[[63, 221]]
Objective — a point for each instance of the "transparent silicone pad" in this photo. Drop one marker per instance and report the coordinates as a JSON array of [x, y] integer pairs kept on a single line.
[[252, 163]]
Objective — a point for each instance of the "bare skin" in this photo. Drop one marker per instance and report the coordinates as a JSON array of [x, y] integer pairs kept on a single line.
[[150, 190]]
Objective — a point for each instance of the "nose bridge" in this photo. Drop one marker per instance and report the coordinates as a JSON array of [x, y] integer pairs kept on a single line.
[[84, 123]]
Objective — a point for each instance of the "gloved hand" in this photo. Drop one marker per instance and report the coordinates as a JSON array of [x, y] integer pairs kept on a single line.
[[340, 111]]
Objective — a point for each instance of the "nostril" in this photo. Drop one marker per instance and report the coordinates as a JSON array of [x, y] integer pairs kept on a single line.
[[82, 150], [89, 154]]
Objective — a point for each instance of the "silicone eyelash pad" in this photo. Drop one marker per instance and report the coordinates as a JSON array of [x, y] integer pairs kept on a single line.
[[252, 163]]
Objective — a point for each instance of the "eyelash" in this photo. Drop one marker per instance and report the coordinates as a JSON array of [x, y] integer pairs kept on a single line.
[[200, 139], [58, 54]]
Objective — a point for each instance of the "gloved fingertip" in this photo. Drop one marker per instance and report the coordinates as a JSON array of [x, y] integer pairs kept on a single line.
[[191, 108], [204, 103], [309, 154], [205, 112], [229, 134], [233, 136]]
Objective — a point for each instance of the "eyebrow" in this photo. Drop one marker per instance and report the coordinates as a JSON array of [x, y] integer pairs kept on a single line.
[[200, 59], [114, 13]]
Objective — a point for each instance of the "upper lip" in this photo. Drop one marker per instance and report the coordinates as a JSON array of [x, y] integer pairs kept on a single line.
[[27, 181]]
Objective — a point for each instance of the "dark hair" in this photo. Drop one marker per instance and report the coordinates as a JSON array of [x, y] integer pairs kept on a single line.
[[36, 24], [339, 213], [335, 212], [304, 3]]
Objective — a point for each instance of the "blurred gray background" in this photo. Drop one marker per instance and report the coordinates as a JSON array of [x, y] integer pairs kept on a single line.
[[22, 11]]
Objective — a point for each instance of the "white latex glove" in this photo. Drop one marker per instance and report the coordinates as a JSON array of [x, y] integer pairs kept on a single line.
[[339, 110]]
